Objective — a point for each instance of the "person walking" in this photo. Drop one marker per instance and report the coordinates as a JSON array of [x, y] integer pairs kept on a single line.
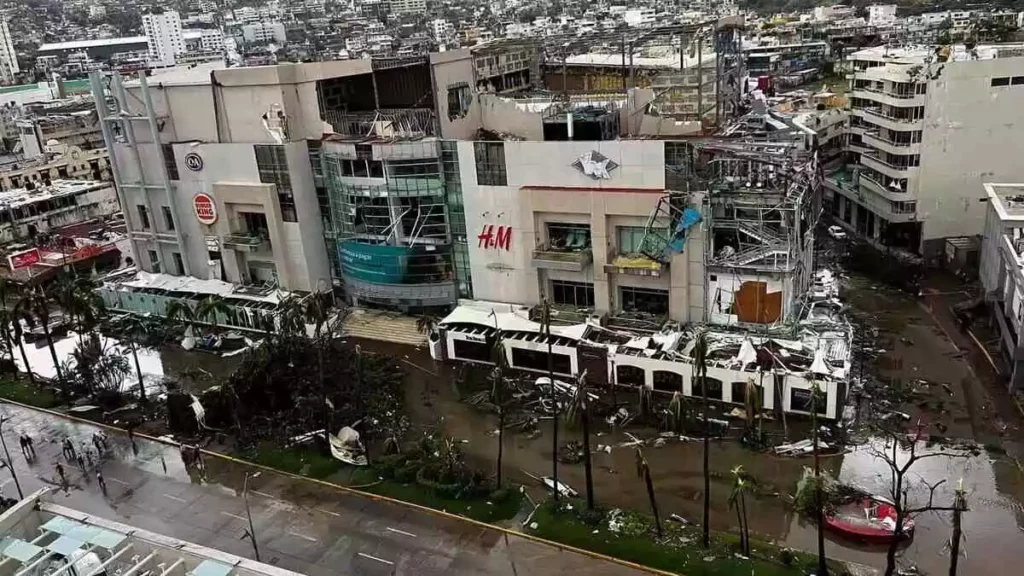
[[96, 442], [24, 446], [88, 455], [102, 482], [81, 461], [31, 445], [64, 447], [73, 455], [60, 473]]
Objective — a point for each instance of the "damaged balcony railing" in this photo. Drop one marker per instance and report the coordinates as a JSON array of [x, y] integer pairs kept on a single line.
[[245, 241], [550, 258], [389, 122]]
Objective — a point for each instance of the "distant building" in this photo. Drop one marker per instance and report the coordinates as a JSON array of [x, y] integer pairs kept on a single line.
[[926, 130], [163, 32], [8, 57], [264, 32], [408, 6], [25, 212], [881, 14], [67, 163], [68, 125], [103, 48]]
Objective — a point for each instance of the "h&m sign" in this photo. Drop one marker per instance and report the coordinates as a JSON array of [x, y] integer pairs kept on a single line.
[[492, 236]]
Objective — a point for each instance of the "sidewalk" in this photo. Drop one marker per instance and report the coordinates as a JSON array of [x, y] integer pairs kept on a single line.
[[299, 525]]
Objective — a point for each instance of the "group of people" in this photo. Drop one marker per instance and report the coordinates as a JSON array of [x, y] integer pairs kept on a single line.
[[28, 449], [82, 456]]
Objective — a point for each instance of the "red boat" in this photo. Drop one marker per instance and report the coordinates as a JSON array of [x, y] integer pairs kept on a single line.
[[868, 519]]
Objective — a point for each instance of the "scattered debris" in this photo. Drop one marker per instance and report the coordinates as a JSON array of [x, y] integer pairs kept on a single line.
[[800, 448], [563, 488]]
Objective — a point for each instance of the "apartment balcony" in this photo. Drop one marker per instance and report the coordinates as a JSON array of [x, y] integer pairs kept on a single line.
[[246, 241], [893, 171], [890, 98], [872, 138], [562, 259], [633, 265], [876, 116], [871, 185]]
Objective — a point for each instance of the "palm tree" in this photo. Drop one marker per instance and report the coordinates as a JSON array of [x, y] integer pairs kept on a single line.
[[498, 388], [37, 304], [819, 504], [700, 362], [738, 500], [134, 328], [959, 507], [579, 413], [425, 323], [752, 404], [182, 313], [316, 311], [644, 472], [546, 321], [11, 323], [676, 413], [211, 309]]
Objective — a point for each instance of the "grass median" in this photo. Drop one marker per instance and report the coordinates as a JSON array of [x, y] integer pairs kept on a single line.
[[630, 536], [25, 392]]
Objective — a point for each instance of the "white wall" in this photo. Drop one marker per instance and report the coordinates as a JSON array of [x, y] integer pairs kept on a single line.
[[971, 135]]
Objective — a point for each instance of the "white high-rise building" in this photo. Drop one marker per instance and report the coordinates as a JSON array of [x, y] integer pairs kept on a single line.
[[165, 39], [8, 58]]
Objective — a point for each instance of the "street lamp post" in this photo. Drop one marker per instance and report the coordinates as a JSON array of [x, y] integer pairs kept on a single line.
[[248, 514], [7, 455]]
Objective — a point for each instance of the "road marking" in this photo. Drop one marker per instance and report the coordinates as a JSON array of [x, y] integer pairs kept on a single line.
[[264, 494], [328, 512], [402, 532], [175, 498], [381, 560], [234, 516], [303, 536], [121, 482]]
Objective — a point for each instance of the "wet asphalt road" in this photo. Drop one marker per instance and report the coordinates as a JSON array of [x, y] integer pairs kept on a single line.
[[299, 525]]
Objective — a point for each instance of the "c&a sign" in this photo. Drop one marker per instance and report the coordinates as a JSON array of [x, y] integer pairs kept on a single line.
[[492, 236]]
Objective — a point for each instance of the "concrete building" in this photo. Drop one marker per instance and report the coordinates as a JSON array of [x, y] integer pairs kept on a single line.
[[8, 57], [408, 6], [104, 48], [1002, 272], [164, 36], [26, 212], [66, 163], [42, 535], [264, 32], [881, 14], [925, 131], [67, 125]]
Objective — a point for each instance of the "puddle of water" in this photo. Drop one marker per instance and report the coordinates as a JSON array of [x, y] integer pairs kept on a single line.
[[994, 538], [158, 365]]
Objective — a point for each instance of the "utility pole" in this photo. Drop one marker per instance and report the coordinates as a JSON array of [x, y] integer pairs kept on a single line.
[[7, 455], [245, 496]]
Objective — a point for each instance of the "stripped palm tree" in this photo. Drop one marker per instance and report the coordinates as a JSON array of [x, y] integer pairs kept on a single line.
[[752, 405], [700, 362], [134, 329], [12, 322], [579, 413], [741, 484], [819, 502], [181, 313], [37, 305], [643, 470], [499, 390], [211, 310]]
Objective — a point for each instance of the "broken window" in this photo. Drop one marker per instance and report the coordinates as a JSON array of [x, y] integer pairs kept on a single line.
[[169, 162], [568, 237], [668, 381], [490, 163], [272, 164], [714, 387], [800, 401], [475, 351], [575, 294], [537, 360], [629, 376], [644, 300], [459, 99], [1004, 81]]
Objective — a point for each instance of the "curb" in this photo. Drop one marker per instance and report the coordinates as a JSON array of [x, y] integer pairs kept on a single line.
[[374, 497]]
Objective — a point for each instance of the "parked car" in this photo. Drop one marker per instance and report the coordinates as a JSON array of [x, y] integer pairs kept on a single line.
[[837, 232]]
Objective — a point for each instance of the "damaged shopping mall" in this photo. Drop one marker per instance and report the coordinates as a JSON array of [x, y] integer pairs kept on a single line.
[[722, 240]]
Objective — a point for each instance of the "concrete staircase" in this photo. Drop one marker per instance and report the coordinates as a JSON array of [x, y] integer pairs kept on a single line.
[[384, 326]]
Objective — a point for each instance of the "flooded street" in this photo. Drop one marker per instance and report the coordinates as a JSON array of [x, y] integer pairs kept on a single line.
[[158, 365], [913, 349]]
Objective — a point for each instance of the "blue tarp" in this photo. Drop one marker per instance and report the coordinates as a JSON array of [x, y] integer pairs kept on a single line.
[[690, 217]]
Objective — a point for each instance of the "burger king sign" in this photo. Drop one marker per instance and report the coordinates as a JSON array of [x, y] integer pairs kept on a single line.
[[205, 208]]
